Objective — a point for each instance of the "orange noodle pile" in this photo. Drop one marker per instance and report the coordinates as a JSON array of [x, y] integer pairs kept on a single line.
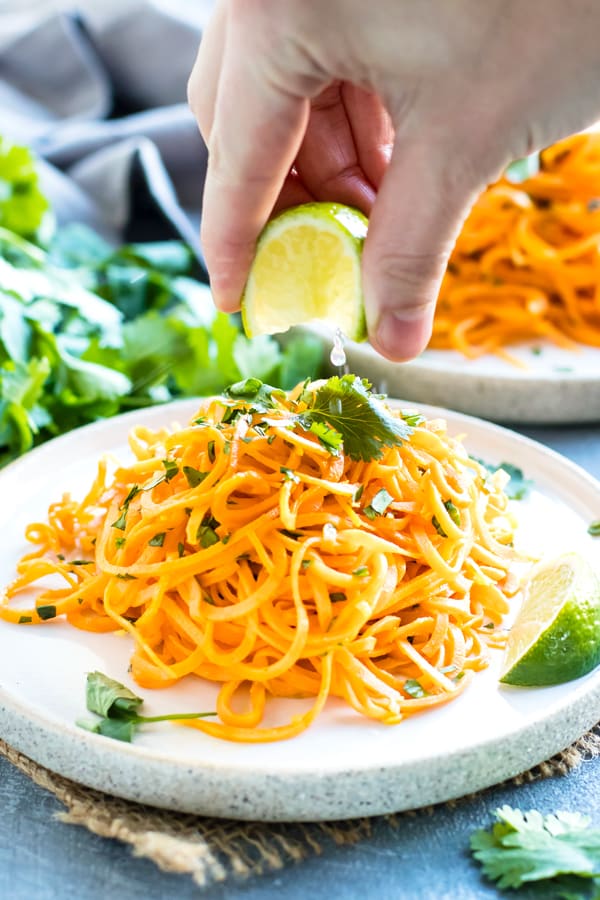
[[246, 551], [527, 263]]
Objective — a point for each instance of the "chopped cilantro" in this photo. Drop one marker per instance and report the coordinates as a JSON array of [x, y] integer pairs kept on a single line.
[[121, 522], [158, 539], [378, 504], [46, 612], [253, 392], [194, 476], [337, 596], [361, 572], [132, 493], [414, 688], [171, 468], [288, 474], [594, 529], [519, 487], [126, 576], [413, 419], [180, 549], [158, 479], [119, 542], [206, 536], [23, 620], [358, 493], [452, 512]]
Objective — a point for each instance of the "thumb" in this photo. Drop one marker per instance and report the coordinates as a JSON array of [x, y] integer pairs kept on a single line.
[[421, 205]]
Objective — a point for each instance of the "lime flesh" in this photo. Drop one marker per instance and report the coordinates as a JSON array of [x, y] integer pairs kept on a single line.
[[556, 635], [307, 267]]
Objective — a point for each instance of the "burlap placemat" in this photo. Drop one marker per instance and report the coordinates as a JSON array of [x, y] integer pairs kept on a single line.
[[212, 850]]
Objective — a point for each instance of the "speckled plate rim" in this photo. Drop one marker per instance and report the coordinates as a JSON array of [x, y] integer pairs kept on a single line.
[[323, 790]]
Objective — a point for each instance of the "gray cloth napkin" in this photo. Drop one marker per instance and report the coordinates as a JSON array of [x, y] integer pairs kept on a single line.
[[104, 106]]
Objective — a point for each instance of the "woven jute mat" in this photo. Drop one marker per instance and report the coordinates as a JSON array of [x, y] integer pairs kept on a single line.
[[213, 850]]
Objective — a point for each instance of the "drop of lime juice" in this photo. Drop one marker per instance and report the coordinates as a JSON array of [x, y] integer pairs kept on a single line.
[[337, 357]]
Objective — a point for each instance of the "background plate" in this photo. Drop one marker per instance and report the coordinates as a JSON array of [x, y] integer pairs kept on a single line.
[[344, 765]]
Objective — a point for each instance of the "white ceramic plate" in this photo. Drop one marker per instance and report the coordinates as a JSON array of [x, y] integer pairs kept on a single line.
[[557, 387], [344, 765]]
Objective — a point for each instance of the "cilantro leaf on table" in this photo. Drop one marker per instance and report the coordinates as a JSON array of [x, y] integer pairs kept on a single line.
[[118, 709], [529, 847], [347, 405]]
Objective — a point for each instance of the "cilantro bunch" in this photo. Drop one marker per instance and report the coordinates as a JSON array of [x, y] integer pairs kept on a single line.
[[23, 206], [87, 331]]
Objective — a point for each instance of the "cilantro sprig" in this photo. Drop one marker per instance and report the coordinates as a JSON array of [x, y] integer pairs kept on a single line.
[[560, 850], [362, 421], [118, 709]]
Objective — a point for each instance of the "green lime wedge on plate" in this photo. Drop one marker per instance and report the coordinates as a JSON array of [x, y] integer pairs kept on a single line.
[[307, 267], [556, 635]]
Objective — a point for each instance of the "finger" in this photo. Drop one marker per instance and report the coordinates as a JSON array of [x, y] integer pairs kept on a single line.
[[413, 226], [372, 131], [204, 79], [328, 161], [255, 136]]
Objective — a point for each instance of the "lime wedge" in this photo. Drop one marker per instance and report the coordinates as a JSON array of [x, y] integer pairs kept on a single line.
[[556, 635], [307, 267]]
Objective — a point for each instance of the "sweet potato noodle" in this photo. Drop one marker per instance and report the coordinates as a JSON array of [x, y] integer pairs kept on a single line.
[[526, 265], [243, 551]]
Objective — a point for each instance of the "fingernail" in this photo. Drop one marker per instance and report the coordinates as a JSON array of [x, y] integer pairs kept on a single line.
[[401, 338]]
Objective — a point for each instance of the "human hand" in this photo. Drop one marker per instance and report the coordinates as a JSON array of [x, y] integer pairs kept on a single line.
[[406, 110]]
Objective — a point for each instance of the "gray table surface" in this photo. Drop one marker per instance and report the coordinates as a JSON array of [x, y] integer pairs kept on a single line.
[[426, 856]]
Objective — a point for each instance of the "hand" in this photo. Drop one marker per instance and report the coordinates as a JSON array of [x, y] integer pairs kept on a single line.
[[406, 110]]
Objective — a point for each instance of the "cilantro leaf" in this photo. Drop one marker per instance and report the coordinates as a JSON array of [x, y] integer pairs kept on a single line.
[[525, 847], [119, 708], [105, 696], [366, 426]]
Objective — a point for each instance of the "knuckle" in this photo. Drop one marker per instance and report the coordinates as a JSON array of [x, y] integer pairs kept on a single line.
[[417, 271]]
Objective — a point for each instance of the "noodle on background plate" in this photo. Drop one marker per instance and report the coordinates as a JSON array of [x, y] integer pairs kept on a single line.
[[526, 265], [249, 550]]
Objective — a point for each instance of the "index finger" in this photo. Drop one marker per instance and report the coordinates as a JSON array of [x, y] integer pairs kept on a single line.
[[255, 135]]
